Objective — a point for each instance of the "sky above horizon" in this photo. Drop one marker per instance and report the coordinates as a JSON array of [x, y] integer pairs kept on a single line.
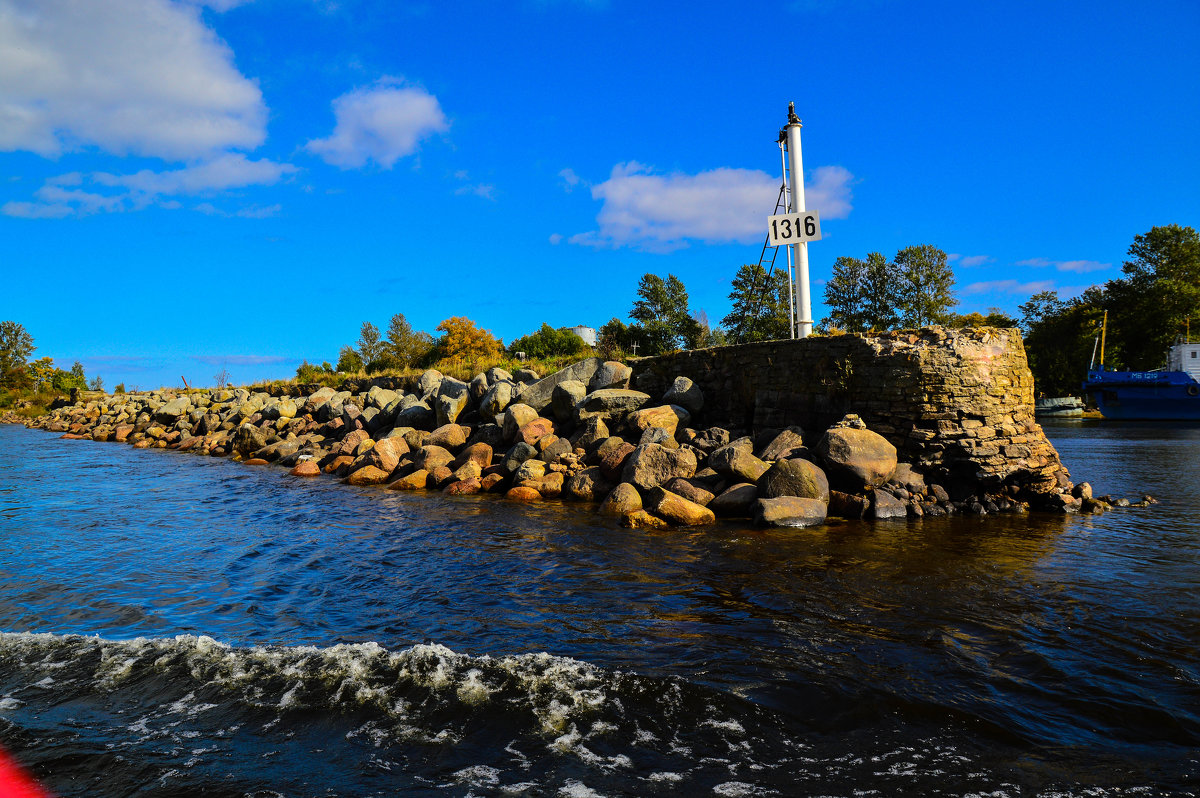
[[239, 184]]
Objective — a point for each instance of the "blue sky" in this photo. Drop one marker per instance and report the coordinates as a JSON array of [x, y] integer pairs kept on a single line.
[[186, 185]]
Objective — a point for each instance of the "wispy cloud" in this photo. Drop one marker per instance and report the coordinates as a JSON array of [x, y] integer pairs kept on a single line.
[[1077, 266], [969, 261], [661, 213], [485, 190], [1008, 287], [75, 193], [128, 76], [569, 179], [382, 124]]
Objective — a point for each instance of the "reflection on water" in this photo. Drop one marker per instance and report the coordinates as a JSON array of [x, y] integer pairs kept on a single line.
[[1050, 649]]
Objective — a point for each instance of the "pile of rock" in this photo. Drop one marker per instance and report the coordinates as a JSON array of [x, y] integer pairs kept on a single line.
[[580, 434]]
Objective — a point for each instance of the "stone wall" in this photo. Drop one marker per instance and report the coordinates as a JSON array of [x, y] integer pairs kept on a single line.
[[956, 403]]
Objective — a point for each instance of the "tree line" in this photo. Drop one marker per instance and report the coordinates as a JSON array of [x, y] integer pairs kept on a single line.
[[20, 375], [1148, 310]]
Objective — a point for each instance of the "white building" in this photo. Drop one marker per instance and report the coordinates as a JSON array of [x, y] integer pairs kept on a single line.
[[588, 334]]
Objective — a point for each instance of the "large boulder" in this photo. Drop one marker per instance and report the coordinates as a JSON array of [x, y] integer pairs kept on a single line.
[[430, 458], [452, 399], [174, 409], [248, 439], [428, 383], [495, 400], [610, 374], [668, 417], [736, 500], [787, 445], [518, 454], [318, 398], [538, 395], [651, 465], [380, 398], [794, 478], [590, 433], [686, 394], [418, 416], [677, 509], [517, 416], [885, 507], [566, 395], [449, 436], [588, 484], [535, 429], [624, 498], [856, 459], [736, 463], [610, 404], [789, 511], [385, 454]]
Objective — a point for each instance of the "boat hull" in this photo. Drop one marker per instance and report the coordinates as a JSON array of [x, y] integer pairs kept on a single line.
[[1145, 395]]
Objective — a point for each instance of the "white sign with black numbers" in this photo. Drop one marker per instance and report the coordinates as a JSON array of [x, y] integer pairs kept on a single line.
[[794, 228]]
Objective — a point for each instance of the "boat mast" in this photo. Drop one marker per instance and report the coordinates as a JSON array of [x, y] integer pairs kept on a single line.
[[1103, 332]]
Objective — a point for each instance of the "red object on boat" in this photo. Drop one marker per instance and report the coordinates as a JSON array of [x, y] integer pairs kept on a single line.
[[15, 782]]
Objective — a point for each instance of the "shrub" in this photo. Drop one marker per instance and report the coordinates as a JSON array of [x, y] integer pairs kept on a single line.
[[548, 342]]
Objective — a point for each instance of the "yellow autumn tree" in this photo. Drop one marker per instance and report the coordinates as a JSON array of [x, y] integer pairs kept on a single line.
[[463, 340]]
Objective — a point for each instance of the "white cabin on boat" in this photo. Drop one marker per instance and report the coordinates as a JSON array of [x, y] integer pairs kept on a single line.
[[1185, 358]]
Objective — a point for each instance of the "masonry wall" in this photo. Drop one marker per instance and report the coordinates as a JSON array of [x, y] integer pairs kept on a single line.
[[956, 403]]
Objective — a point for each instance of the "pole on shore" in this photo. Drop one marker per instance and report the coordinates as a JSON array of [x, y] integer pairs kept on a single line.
[[796, 184]]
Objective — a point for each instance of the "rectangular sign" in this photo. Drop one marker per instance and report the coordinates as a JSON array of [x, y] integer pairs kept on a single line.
[[793, 228]]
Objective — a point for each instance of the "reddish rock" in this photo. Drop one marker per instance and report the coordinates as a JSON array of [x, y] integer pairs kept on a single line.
[[479, 453], [385, 455], [350, 443], [490, 482], [122, 433], [256, 461], [463, 487], [432, 457], [536, 429], [449, 436], [523, 494], [677, 509], [338, 463], [441, 476], [614, 462], [306, 468]]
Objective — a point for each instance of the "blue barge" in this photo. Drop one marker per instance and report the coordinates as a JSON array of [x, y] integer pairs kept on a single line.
[[1171, 394]]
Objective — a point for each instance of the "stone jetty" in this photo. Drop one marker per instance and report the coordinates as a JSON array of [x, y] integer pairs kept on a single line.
[[648, 449]]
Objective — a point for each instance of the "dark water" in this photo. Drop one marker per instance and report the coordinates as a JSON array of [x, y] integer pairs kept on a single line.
[[175, 625]]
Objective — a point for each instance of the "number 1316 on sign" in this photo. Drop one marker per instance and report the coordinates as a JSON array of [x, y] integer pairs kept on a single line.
[[793, 228]]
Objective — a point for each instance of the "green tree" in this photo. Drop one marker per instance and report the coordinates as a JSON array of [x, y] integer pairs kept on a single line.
[[760, 305], [662, 311], [1059, 338], [97, 383], [845, 295], [16, 345], [371, 347], [349, 361], [548, 342], [1149, 306], [993, 318], [881, 293], [40, 372], [404, 347], [925, 287]]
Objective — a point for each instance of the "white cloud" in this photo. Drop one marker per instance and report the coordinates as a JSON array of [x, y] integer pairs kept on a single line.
[[1008, 287], [569, 179], [128, 76], [78, 194], [1077, 266], [485, 190], [662, 212], [969, 261], [380, 124]]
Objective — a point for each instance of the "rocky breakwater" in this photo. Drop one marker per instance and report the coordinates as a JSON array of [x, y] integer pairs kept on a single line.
[[579, 434]]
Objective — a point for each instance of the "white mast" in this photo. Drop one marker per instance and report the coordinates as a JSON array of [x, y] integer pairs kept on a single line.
[[796, 183]]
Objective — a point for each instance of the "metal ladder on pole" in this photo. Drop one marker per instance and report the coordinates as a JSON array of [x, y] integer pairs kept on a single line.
[[767, 266]]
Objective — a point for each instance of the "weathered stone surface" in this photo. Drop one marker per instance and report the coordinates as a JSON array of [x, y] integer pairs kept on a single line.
[[468, 470], [857, 458], [640, 519], [306, 468], [380, 398], [609, 404], [417, 416], [516, 416], [787, 445], [385, 454], [662, 437], [789, 511], [441, 476], [453, 397], [256, 461], [885, 506], [736, 500], [566, 395], [676, 509], [518, 454], [686, 394], [610, 374], [525, 376], [478, 453], [415, 480], [690, 491], [651, 465], [794, 478], [173, 410], [498, 397], [428, 382], [529, 470], [538, 395], [612, 462], [248, 439], [735, 462], [523, 494], [590, 433], [711, 439], [535, 429], [550, 485], [668, 417], [624, 498], [491, 434], [491, 482], [122, 432], [478, 388], [589, 484], [451, 437], [368, 475], [318, 398], [463, 487], [431, 457], [279, 408], [556, 450]]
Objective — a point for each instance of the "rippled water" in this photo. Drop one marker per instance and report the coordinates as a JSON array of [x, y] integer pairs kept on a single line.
[[181, 625]]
